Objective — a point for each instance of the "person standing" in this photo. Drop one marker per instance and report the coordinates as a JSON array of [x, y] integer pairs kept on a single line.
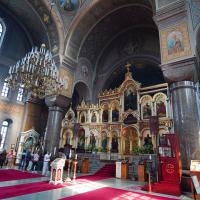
[[10, 158], [3, 158], [22, 162], [28, 159], [45, 169], [35, 161]]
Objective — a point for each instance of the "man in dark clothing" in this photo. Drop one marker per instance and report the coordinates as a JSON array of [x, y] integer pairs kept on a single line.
[[28, 158], [23, 159], [2, 158]]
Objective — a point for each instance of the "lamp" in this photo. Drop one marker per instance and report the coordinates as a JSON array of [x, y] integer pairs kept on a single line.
[[37, 72]]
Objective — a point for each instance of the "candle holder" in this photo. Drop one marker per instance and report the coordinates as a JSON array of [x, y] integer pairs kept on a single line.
[[68, 179], [75, 166]]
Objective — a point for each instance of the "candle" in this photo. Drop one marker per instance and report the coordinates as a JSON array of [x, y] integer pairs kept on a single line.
[[149, 157], [54, 152], [76, 157]]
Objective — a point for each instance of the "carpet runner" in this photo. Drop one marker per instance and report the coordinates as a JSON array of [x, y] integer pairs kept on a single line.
[[28, 188], [12, 174], [107, 171], [108, 193], [164, 187]]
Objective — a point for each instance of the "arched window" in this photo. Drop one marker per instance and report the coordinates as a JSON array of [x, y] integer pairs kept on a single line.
[[4, 129], [5, 89], [20, 93], [2, 31]]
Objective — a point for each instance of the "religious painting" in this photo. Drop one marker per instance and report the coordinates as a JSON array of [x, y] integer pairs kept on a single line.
[[130, 99], [146, 111], [160, 109], [104, 142], [92, 140], [70, 5], [105, 116], [81, 140], [68, 80], [114, 144], [175, 42], [94, 118], [115, 115], [130, 138]]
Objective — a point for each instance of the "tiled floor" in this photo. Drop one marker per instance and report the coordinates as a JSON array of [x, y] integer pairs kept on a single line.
[[78, 188]]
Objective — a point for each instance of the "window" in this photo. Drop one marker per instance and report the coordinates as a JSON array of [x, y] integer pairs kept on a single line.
[[4, 129], [5, 90], [20, 93], [2, 31]]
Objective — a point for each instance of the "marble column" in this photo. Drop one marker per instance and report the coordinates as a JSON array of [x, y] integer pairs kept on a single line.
[[57, 105], [186, 120]]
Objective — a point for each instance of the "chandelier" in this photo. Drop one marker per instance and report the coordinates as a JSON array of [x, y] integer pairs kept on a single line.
[[37, 73]]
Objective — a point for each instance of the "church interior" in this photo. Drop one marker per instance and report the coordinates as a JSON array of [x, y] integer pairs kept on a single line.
[[100, 97]]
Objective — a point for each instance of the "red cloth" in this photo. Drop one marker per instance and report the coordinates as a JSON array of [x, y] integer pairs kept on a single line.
[[12, 174], [28, 188], [108, 193]]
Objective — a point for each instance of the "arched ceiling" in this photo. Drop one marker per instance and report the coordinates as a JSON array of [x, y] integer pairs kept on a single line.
[[144, 72], [85, 22], [36, 20], [112, 25]]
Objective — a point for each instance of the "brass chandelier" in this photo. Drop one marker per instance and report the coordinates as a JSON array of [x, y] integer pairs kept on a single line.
[[37, 73]]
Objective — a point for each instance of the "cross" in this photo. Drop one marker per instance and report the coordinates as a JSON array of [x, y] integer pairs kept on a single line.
[[128, 65]]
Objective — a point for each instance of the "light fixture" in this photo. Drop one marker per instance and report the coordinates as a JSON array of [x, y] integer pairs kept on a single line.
[[37, 72]]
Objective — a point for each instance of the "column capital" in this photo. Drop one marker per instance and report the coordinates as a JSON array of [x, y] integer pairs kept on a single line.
[[180, 70], [57, 101], [34, 100]]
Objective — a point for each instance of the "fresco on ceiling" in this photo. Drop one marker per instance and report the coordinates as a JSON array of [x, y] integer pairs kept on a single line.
[[70, 5]]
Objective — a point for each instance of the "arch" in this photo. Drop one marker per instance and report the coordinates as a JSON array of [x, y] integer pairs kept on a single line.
[[2, 31], [83, 117], [130, 139], [67, 137], [81, 92], [93, 14], [4, 131]]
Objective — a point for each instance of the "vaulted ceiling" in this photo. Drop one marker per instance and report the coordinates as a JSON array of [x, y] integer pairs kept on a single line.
[[35, 18]]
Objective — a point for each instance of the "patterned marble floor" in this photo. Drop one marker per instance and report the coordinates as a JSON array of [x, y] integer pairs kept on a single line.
[[79, 188]]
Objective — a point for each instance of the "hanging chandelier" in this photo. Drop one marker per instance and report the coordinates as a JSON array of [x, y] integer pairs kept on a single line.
[[37, 73]]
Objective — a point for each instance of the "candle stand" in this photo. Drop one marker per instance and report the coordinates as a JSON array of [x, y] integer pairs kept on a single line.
[[68, 179]]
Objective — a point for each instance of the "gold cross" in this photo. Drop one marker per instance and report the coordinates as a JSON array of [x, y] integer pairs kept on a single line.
[[128, 65]]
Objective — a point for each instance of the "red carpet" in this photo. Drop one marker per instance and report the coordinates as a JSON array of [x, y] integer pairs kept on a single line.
[[165, 188], [108, 171], [12, 174], [28, 188], [115, 194]]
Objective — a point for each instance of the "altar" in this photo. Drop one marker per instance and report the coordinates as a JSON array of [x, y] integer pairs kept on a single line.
[[119, 123]]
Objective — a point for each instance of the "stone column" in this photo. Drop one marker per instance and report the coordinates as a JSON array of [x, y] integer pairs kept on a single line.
[[56, 105], [186, 120]]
